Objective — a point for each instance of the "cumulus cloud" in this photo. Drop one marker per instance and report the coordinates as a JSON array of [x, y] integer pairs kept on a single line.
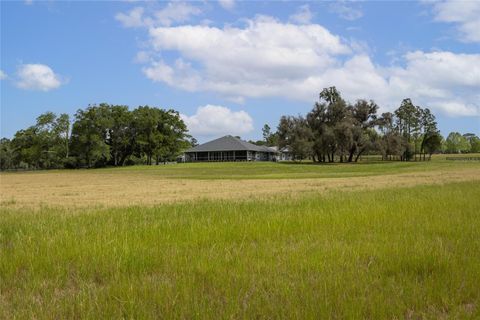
[[444, 80], [227, 4], [303, 15], [270, 58], [37, 77], [173, 12], [253, 61], [346, 11], [211, 120], [465, 14], [3, 75]]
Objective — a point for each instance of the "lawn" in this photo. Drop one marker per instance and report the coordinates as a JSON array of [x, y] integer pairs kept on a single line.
[[273, 170], [392, 251], [289, 170]]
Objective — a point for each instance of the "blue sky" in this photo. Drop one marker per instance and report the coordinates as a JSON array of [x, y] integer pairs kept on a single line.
[[230, 66]]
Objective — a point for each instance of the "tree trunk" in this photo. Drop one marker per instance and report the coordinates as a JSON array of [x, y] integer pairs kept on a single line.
[[66, 147], [352, 152], [122, 160], [358, 155]]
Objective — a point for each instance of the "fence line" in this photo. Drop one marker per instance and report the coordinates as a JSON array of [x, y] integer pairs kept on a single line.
[[463, 158]]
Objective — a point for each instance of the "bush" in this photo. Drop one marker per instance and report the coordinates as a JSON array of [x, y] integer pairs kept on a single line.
[[70, 163]]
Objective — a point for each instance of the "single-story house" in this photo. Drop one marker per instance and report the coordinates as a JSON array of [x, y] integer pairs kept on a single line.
[[229, 148]]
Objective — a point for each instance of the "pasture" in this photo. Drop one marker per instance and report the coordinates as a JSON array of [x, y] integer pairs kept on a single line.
[[377, 240], [153, 185]]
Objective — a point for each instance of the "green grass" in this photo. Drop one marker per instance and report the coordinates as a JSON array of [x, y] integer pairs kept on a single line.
[[385, 254], [289, 170], [283, 170]]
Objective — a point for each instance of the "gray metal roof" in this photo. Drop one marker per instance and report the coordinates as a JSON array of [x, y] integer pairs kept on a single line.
[[228, 143], [268, 149]]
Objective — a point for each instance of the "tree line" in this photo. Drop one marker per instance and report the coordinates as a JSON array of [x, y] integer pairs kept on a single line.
[[335, 130], [100, 135], [458, 143]]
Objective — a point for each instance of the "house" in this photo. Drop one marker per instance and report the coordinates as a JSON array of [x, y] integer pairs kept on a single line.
[[283, 154], [229, 148]]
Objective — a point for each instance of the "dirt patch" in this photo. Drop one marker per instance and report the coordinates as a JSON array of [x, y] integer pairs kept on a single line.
[[72, 189]]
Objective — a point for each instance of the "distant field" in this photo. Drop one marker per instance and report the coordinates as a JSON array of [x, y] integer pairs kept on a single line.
[[152, 185], [280, 170], [378, 240], [288, 170]]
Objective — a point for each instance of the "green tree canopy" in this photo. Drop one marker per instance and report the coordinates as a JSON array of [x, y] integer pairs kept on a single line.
[[456, 143]]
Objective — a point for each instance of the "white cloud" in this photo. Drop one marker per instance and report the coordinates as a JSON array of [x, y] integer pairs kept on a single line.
[[263, 59], [458, 108], [346, 11], [253, 60], [268, 58], [173, 12], [179, 75], [3, 75], [211, 120], [442, 80], [37, 77], [133, 19], [227, 4], [176, 12], [442, 69], [465, 14], [303, 15]]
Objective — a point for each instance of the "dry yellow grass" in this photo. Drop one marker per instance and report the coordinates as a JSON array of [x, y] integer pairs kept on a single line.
[[80, 189]]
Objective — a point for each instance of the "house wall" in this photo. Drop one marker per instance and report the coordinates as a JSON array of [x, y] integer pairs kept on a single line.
[[228, 156], [284, 156], [216, 156]]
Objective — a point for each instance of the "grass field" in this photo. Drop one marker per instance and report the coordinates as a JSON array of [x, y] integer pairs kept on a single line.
[[378, 241], [153, 185]]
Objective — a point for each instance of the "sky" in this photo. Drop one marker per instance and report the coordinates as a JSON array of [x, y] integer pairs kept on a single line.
[[229, 67]]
